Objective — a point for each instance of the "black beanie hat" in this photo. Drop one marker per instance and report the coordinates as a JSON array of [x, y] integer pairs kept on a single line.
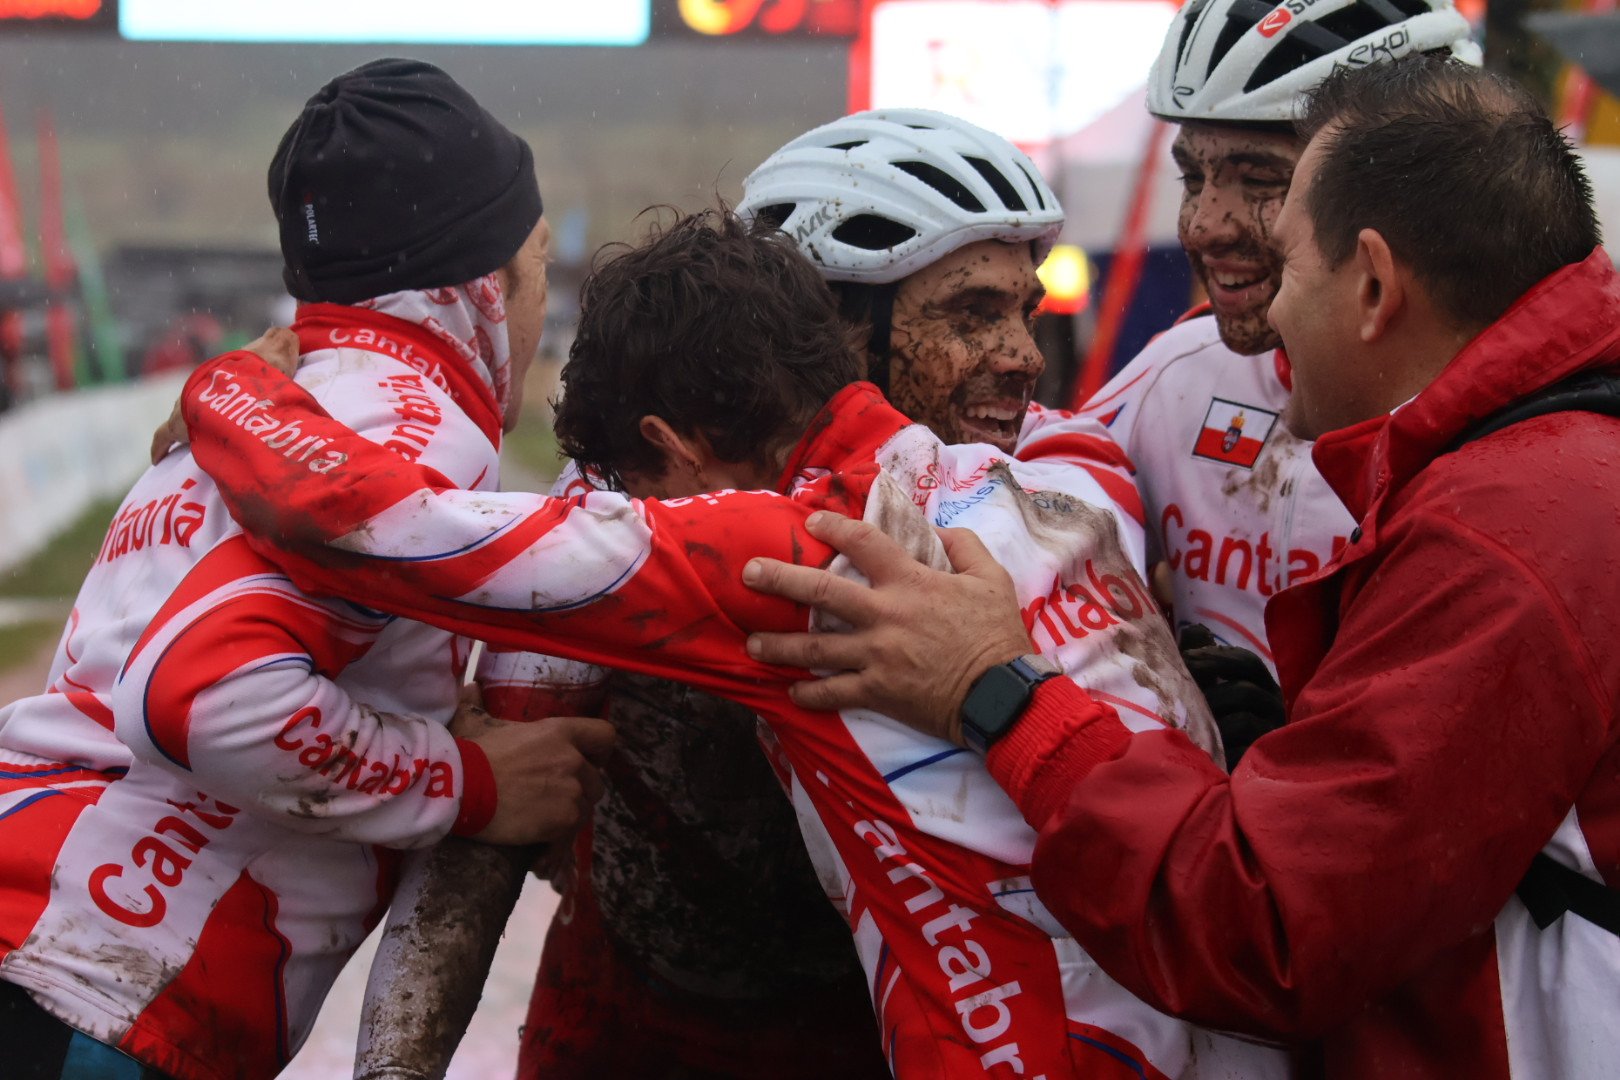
[[393, 178]]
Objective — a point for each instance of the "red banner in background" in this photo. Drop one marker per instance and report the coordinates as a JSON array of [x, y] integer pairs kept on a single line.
[[13, 264], [54, 253], [1124, 276]]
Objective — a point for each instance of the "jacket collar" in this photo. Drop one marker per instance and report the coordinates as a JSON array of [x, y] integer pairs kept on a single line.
[[333, 326], [848, 431], [1568, 323]]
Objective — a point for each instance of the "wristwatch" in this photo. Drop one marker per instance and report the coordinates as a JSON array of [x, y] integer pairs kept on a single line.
[[997, 699]]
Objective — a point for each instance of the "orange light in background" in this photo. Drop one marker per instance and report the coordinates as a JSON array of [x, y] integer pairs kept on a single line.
[[1066, 274], [49, 9], [771, 18], [719, 17]]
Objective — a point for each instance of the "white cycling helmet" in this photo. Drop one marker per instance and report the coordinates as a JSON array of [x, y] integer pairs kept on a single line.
[[877, 196], [1248, 61]]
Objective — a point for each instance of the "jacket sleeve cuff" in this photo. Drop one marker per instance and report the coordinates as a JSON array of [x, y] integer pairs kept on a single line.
[[1063, 735], [477, 791]]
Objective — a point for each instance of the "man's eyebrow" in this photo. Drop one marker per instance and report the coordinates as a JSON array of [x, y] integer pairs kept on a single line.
[[1183, 159], [1260, 158], [979, 294]]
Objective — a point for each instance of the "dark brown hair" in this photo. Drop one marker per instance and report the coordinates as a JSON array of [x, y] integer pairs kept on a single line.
[[1459, 170], [720, 328]]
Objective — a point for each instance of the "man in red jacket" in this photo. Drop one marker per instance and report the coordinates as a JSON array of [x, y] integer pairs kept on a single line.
[[1450, 678]]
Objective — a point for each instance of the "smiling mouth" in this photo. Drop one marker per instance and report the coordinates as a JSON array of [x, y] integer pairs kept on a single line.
[[997, 424], [1237, 282]]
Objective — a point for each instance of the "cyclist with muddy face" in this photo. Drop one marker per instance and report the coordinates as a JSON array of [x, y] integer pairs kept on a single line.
[[694, 932], [1236, 510]]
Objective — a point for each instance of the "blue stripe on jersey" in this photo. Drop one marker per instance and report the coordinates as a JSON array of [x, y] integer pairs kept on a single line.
[[923, 764], [1128, 1061], [26, 803]]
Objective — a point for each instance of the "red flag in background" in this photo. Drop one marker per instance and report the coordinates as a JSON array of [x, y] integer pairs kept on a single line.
[[13, 264], [58, 259]]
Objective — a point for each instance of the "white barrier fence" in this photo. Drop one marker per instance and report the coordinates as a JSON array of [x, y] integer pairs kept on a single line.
[[61, 453]]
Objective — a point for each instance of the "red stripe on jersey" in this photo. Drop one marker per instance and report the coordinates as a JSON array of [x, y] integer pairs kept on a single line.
[[92, 706], [1238, 628], [196, 660], [1131, 706], [1073, 445], [1100, 458], [228, 1005], [1097, 403], [979, 988], [1099, 1054], [1121, 490], [213, 571], [35, 820]]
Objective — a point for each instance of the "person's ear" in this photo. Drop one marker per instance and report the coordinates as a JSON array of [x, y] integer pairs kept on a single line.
[[1380, 288], [685, 455]]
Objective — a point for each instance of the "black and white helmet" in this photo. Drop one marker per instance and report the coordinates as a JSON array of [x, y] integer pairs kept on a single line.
[[1248, 61], [879, 195]]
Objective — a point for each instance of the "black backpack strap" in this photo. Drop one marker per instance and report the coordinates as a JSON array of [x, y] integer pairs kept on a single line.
[[1550, 888], [1596, 392]]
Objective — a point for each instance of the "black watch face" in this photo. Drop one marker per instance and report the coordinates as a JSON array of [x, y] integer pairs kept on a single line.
[[994, 704]]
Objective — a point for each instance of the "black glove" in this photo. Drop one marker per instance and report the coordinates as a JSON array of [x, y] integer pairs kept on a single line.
[[1241, 692]]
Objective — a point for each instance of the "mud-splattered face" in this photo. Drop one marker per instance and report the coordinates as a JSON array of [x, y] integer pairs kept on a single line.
[[1233, 184], [523, 283], [962, 358]]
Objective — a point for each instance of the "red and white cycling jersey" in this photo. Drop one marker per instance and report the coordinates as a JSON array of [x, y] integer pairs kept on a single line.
[[1234, 503], [922, 851], [186, 844]]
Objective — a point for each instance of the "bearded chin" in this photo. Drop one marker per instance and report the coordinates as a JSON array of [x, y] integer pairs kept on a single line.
[[1248, 334]]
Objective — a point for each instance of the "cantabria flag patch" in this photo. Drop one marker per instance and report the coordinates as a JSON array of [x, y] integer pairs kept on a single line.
[[1233, 433]]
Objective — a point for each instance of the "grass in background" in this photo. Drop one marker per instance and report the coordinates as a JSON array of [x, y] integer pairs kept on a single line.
[[58, 569], [532, 448], [23, 642], [531, 452], [54, 574]]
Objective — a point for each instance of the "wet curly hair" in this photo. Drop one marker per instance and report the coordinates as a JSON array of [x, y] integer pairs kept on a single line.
[[718, 326]]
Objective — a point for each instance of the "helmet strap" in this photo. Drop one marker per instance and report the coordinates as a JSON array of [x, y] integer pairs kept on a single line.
[[880, 316]]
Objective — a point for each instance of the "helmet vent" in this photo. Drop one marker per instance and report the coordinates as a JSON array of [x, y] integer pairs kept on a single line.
[[848, 145], [775, 214], [872, 233], [1411, 8], [1040, 200], [1360, 20], [1307, 42], [1000, 184], [1240, 18], [1195, 8], [942, 182]]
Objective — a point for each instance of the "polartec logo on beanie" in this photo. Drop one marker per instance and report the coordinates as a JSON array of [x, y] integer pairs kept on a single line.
[[311, 233]]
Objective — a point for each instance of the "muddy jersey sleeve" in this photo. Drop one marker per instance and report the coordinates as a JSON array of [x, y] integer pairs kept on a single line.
[[1081, 441], [233, 686], [522, 685], [650, 585]]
